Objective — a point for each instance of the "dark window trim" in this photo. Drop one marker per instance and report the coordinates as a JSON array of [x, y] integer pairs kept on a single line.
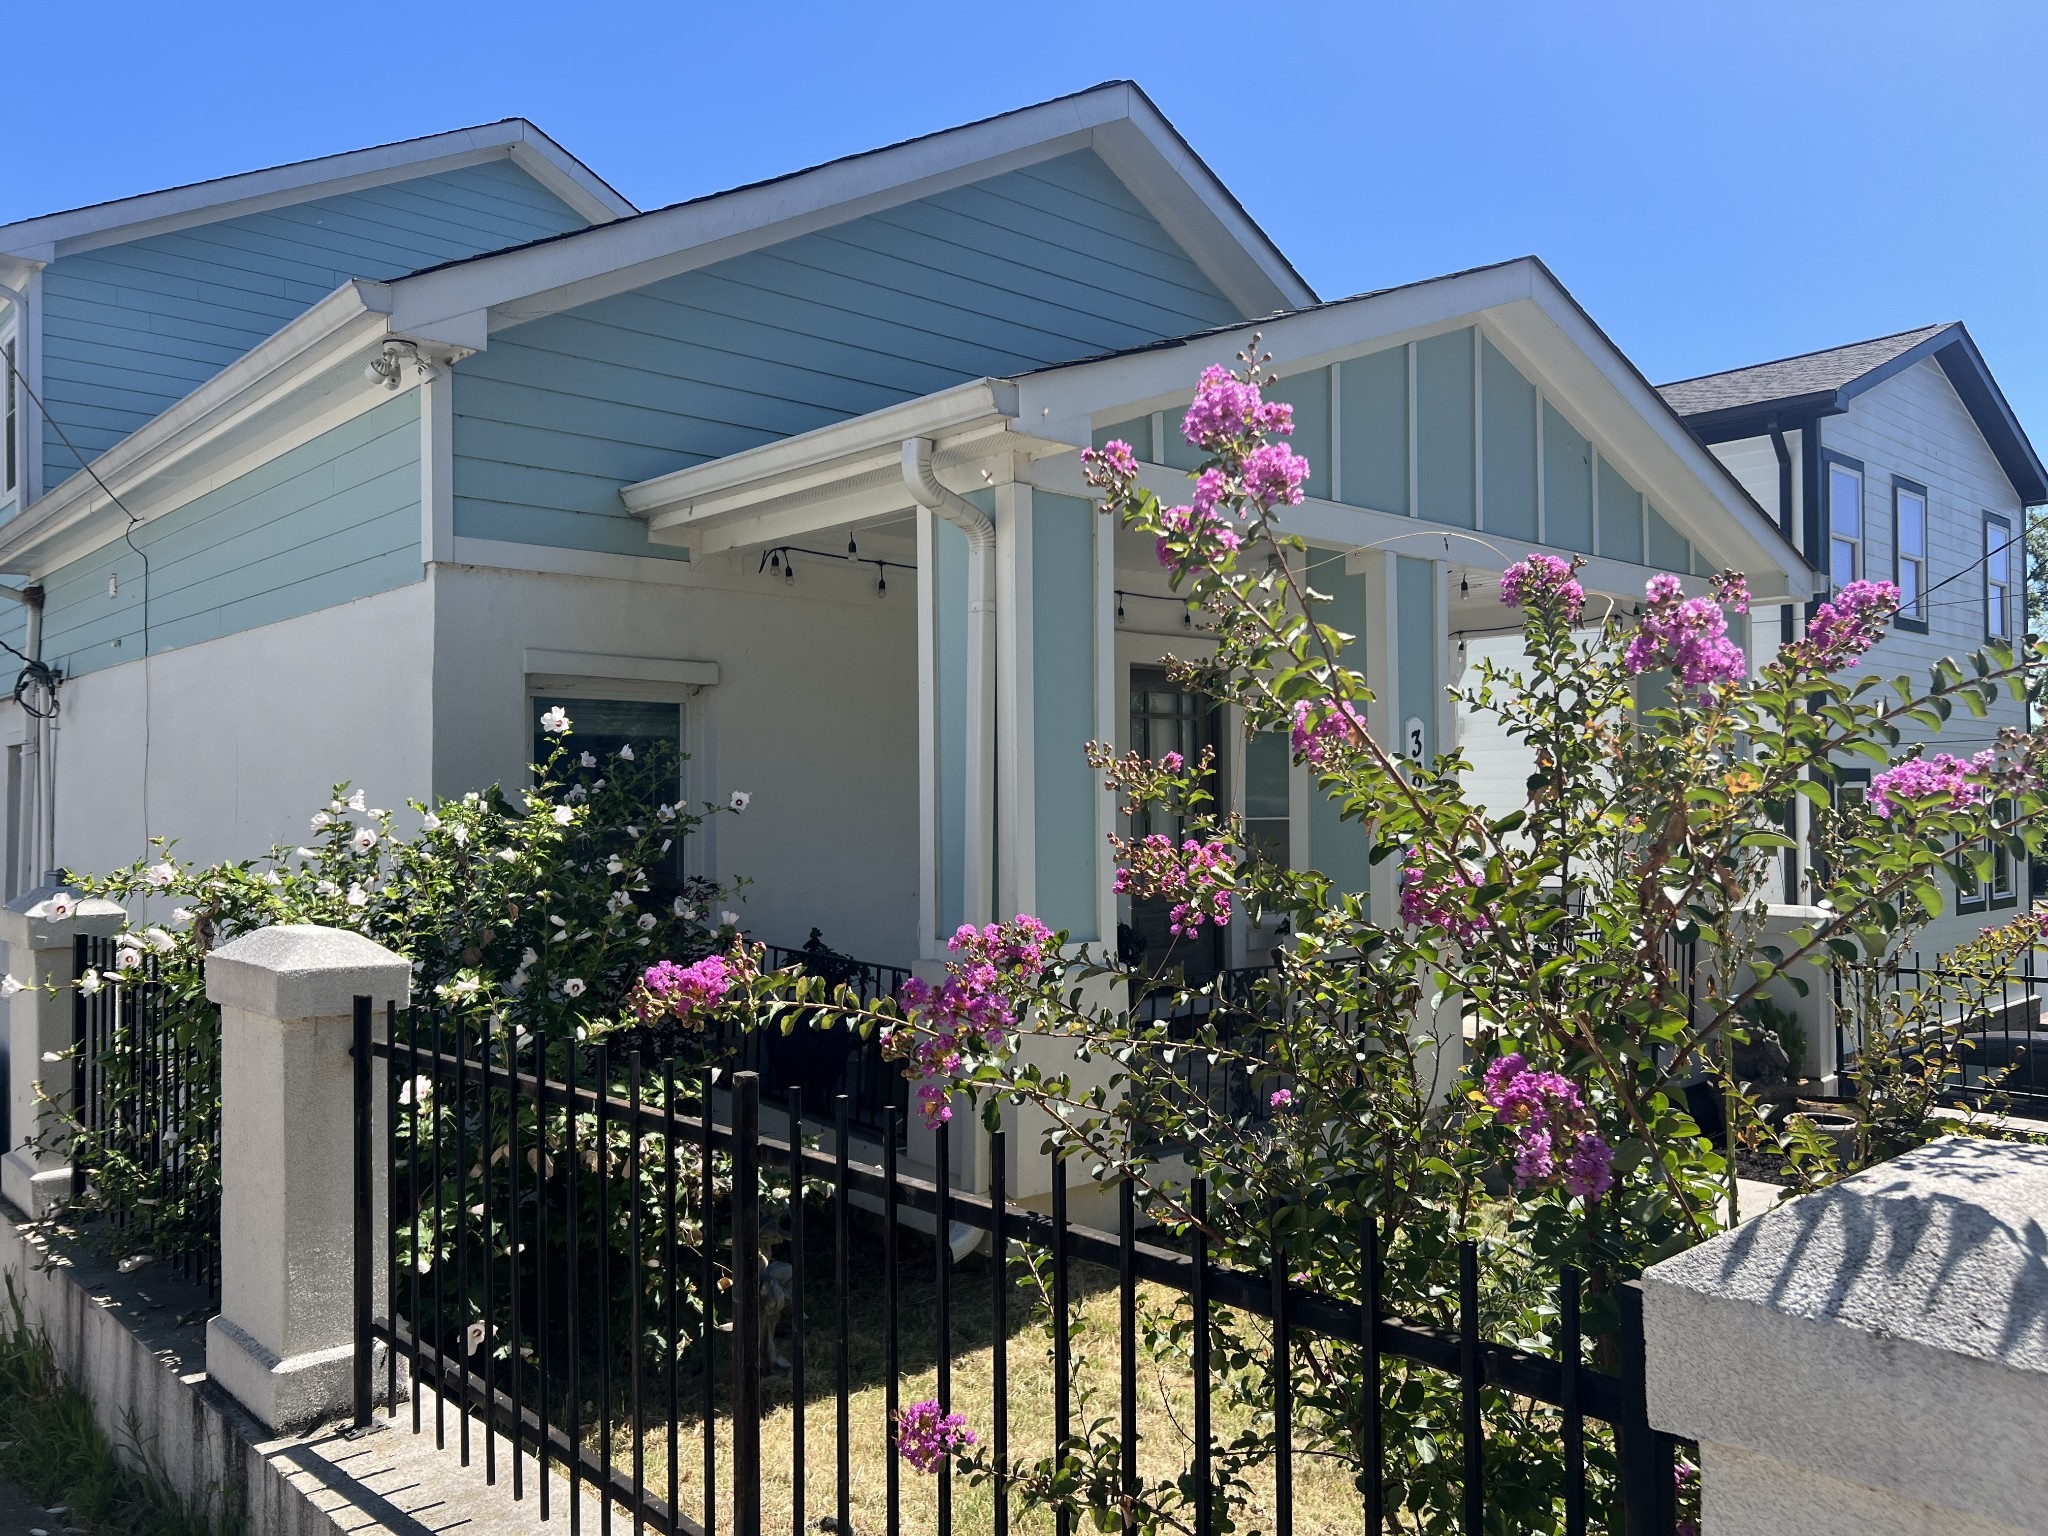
[[1828, 459], [2012, 588], [1901, 483]]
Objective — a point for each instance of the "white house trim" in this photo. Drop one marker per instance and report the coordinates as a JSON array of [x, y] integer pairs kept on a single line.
[[548, 670], [1116, 120], [48, 236]]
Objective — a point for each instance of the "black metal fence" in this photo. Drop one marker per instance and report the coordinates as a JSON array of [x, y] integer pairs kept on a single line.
[[145, 1089], [1992, 1025], [563, 1249], [822, 1063]]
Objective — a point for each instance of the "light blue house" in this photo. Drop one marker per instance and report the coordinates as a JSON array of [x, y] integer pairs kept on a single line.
[[409, 440]]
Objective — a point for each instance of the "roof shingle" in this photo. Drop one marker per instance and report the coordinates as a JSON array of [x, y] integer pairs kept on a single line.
[[1789, 377]]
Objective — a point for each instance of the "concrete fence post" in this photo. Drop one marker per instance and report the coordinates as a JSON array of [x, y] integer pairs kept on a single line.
[[1870, 1359], [37, 1168], [283, 1342]]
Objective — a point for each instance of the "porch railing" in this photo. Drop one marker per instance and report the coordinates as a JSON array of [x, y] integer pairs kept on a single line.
[[1995, 1025]]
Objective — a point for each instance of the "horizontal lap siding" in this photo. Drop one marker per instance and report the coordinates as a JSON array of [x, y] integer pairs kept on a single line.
[[1037, 266], [332, 520], [130, 329]]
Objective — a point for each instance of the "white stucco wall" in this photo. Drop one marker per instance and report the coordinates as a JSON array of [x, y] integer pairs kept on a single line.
[[814, 714], [246, 734]]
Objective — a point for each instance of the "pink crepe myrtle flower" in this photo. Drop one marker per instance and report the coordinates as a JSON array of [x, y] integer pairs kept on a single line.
[[1553, 1138], [1322, 730], [1923, 778], [926, 1435], [1111, 465], [685, 993], [1228, 409], [1843, 629], [1274, 474], [1193, 875], [1434, 899], [1538, 580], [970, 1012], [1688, 635], [1281, 1098]]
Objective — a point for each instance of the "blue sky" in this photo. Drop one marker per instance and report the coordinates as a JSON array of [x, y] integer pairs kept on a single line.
[[1718, 182]]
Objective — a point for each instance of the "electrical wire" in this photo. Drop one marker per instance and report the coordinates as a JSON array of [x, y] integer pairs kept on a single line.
[[127, 537]]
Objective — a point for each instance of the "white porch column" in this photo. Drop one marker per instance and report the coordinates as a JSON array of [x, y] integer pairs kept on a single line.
[[1868, 1358], [1382, 637], [39, 1024], [283, 1342], [956, 708]]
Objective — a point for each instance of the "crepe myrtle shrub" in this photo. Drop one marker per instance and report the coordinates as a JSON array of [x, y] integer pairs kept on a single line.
[[1549, 935], [531, 920]]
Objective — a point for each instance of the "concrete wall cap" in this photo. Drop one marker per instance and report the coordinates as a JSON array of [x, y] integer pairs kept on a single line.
[[26, 920], [1942, 1247], [304, 971]]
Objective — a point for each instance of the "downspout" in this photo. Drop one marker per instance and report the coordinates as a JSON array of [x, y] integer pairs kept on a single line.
[[1784, 476], [978, 861]]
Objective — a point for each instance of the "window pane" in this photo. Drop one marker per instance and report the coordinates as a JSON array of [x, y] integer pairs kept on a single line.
[[1909, 586], [1845, 502], [1265, 776], [1996, 554], [1995, 614], [600, 727], [1842, 565], [1912, 524]]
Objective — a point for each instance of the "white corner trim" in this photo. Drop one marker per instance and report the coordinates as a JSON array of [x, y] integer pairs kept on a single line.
[[550, 668], [154, 213]]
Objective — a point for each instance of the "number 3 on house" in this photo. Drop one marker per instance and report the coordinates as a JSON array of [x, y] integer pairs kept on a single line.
[[1411, 733]]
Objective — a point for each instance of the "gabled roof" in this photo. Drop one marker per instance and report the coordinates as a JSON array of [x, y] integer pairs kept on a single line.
[[47, 236], [1117, 120], [850, 470], [1741, 401]]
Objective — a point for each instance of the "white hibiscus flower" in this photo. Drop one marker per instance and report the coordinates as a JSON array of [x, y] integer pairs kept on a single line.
[[556, 721], [588, 759], [364, 840], [573, 987], [626, 752], [321, 820], [358, 897], [741, 799], [61, 907], [90, 983], [563, 815], [161, 875], [646, 922], [9, 986], [460, 834], [356, 802], [430, 822]]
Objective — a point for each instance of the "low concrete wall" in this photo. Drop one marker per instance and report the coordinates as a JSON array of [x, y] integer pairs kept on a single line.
[[136, 1343]]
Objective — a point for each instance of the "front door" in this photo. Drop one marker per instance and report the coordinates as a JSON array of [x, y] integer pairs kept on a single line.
[[1168, 717]]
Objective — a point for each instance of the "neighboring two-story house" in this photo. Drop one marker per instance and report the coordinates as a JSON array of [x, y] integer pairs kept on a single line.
[[1896, 459]]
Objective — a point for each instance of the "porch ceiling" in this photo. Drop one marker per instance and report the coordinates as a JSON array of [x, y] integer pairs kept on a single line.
[[834, 476]]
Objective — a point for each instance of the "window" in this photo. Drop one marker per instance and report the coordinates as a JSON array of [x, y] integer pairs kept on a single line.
[[1969, 884], [598, 728], [1845, 522], [1909, 551], [1267, 776], [2004, 869], [10, 413], [1997, 577]]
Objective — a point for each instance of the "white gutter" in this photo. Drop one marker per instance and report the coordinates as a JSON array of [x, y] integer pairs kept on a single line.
[[979, 799]]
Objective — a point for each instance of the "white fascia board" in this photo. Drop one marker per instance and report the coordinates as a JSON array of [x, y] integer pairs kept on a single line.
[[792, 462], [226, 197], [1198, 212], [1141, 148], [1692, 488], [295, 373], [1066, 401]]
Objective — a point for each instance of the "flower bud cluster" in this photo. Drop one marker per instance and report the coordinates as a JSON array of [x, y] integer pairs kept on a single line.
[[1942, 776], [1325, 730], [1842, 629], [1194, 875]]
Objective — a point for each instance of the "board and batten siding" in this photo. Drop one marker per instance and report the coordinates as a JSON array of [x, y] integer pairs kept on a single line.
[[1037, 266], [332, 520], [130, 329], [1449, 430]]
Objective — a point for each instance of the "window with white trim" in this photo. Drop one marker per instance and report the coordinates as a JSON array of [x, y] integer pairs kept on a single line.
[[651, 730], [2004, 867], [10, 411], [1845, 523], [1909, 549], [1997, 577]]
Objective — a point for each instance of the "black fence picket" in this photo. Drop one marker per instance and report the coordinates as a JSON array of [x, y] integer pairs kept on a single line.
[[1994, 1024], [145, 1091], [599, 1133]]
